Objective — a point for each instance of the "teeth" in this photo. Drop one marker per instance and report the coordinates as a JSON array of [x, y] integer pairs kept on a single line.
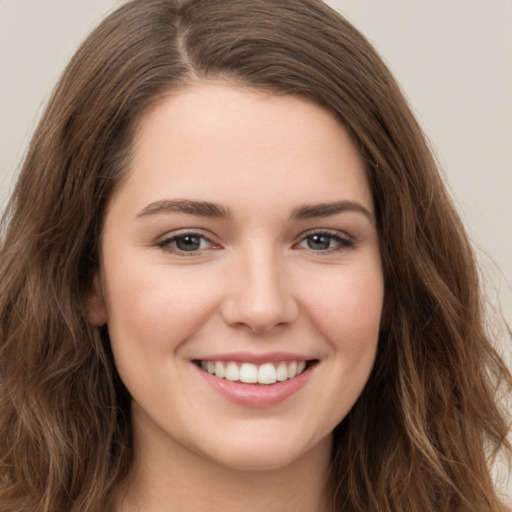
[[219, 370], [282, 372], [232, 372], [249, 373], [292, 370], [267, 374]]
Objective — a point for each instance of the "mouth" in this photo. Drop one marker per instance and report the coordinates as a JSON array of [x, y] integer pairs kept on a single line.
[[256, 381], [249, 373]]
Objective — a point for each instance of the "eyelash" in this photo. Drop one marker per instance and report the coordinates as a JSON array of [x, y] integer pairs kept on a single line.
[[343, 242], [166, 244]]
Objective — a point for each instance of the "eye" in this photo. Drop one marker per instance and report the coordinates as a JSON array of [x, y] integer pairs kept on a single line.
[[186, 243], [324, 241]]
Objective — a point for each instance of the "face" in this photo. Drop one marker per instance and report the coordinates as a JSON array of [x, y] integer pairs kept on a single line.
[[241, 276]]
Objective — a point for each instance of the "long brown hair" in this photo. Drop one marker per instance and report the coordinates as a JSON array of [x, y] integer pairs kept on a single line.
[[421, 434]]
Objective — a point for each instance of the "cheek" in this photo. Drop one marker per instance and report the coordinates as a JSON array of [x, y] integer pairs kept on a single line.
[[347, 309], [157, 309]]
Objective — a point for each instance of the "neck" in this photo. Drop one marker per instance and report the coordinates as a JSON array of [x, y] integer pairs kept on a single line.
[[168, 476]]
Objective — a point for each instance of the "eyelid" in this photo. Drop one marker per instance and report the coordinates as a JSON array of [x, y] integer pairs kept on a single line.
[[165, 241], [346, 241]]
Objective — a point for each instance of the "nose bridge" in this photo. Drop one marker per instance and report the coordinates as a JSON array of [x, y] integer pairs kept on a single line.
[[260, 295]]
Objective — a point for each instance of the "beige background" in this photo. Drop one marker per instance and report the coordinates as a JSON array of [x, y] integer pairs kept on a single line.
[[453, 59]]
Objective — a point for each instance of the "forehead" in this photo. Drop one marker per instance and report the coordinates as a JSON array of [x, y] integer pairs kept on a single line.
[[217, 141]]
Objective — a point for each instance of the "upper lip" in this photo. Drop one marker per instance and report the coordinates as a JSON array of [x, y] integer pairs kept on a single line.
[[248, 357]]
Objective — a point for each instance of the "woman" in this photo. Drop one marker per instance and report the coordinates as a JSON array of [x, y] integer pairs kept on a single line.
[[232, 279]]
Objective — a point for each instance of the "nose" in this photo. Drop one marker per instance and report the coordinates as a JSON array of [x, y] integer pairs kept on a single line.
[[259, 295]]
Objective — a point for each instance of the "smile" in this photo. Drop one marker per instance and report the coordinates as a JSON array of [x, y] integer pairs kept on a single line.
[[265, 381], [249, 373]]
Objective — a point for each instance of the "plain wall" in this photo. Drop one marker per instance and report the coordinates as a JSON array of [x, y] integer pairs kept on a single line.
[[452, 58]]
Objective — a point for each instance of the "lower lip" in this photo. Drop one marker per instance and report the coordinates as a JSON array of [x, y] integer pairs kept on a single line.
[[257, 395]]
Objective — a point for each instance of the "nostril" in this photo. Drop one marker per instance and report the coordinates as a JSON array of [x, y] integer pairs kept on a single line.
[[259, 302]]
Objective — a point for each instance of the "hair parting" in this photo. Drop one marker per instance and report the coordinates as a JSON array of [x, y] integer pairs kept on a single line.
[[422, 435]]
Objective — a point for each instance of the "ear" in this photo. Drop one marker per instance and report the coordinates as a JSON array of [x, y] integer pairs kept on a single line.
[[96, 308]]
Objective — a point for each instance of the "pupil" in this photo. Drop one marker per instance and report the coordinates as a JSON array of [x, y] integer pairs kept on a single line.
[[188, 243], [319, 242]]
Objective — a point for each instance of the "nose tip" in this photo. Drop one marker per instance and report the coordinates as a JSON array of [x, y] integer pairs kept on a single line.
[[260, 300], [260, 318]]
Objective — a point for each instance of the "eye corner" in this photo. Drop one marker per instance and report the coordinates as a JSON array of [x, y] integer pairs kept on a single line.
[[187, 243], [324, 241]]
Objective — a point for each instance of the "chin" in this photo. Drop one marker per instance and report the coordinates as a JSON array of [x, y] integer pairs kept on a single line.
[[266, 454]]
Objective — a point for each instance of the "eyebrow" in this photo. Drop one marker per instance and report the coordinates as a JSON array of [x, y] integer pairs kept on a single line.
[[327, 209], [186, 206], [217, 211]]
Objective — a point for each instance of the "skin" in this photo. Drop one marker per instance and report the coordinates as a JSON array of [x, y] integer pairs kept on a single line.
[[258, 284]]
